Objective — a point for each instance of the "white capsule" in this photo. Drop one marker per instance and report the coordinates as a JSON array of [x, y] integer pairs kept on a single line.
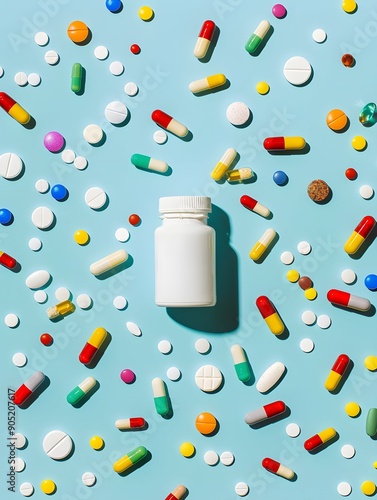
[[108, 262]]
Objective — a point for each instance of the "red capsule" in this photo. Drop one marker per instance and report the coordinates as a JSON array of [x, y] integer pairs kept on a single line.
[[7, 261]]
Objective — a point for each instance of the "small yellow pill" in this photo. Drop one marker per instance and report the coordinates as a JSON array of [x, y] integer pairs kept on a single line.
[[359, 143], [262, 88], [187, 449], [48, 486], [293, 275], [368, 488], [96, 442], [81, 237], [349, 6], [375, 465], [370, 362], [352, 409], [146, 13], [310, 293]]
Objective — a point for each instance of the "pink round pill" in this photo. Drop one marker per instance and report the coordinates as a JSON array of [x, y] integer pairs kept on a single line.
[[279, 10], [54, 142], [127, 376]]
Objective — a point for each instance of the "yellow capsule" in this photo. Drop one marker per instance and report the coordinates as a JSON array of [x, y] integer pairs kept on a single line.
[[210, 82], [353, 243], [97, 337], [224, 164], [239, 175], [327, 434], [60, 309], [20, 114], [332, 381], [275, 324], [262, 244]]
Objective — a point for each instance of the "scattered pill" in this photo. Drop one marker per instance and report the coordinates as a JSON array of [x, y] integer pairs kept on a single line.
[[293, 430], [284, 143], [262, 88], [81, 237], [28, 388], [280, 178], [202, 346], [84, 301], [348, 60], [319, 35], [147, 163], [60, 309], [368, 488], [224, 164], [305, 282], [297, 70], [133, 328], [353, 409], [204, 39], [46, 339], [68, 156], [370, 282], [88, 478], [345, 299], [59, 192], [128, 376], [35, 244], [277, 468], [146, 13], [52, 57], [323, 321], [359, 143], [19, 359], [116, 68], [62, 293], [42, 186], [41, 38], [337, 372], [238, 113], [80, 162], [254, 205], [344, 489], [135, 49], [349, 6], [347, 451], [78, 31], [57, 444], [42, 217], [261, 246], [270, 315], [241, 489], [92, 346], [122, 234], [54, 142], [109, 262], [336, 120], [40, 296], [211, 457], [310, 293], [270, 377], [306, 345], [6, 216], [239, 174], [241, 363], [366, 192], [10, 165], [13, 109], [304, 247], [227, 458], [95, 198], [207, 83], [1, 71], [120, 302], [368, 115], [351, 174], [206, 423], [208, 378], [279, 11], [130, 423], [20, 78], [48, 486], [308, 317], [359, 234], [7, 261], [164, 346], [318, 190], [187, 449], [134, 220], [101, 52], [20, 440], [76, 78], [265, 412], [96, 442], [173, 373], [93, 134], [11, 320], [160, 397], [132, 458], [116, 112], [169, 123], [348, 276], [34, 79], [131, 89], [255, 41], [319, 439], [113, 5]]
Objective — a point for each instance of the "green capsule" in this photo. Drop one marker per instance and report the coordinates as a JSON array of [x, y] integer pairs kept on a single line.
[[371, 423], [147, 163], [81, 390], [76, 77], [257, 37], [160, 397], [241, 364], [132, 458]]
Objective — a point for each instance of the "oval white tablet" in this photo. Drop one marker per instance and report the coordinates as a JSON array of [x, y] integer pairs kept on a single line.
[[95, 198], [26, 489], [93, 134], [10, 165], [238, 113], [297, 70], [57, 445], [51, 57], [116, 68], [133, 328], [208, 378], [116, 112], [37, 279], [20, 78], [41, 38], [42, 217], [270, 377]]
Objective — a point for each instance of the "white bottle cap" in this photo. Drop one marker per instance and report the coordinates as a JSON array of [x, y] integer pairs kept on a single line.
[[196, 204]]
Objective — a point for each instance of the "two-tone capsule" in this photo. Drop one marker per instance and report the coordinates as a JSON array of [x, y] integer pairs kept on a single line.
[[76, 78], [204, 39], [345, 299], [81, 390], [93, 345], [319, 439], [208, 83], [337, 371], [109, 262], [7, 261], [132, 458], [14, 109], [239, 174], [284, 143], [270, 315], [169, 123], [130, 423], [147, 163], [224, 164], [177, 493], [277, 468], [262, 244], [60, 309], [257, 37], [161, 400], [254, 205], [266, 412], [360, 233], [241, 363], [28, 387]]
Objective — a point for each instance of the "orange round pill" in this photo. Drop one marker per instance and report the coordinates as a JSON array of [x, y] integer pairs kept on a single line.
[[78, 31], [206, 423], [336, 119]]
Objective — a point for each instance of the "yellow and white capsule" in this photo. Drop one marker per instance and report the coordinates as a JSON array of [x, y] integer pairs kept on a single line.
[[208, 83], [262, 244], [223, 165]]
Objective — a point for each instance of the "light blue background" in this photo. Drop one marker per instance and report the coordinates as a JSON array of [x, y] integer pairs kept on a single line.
[[163, 71]]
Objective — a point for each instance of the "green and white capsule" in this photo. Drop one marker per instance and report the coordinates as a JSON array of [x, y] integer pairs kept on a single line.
[[257, 37], [241, 364], [147, 163], [76, 77], [161, 400], [81, 390]]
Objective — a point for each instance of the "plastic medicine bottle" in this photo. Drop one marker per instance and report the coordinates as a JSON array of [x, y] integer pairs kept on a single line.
[[185, 253]]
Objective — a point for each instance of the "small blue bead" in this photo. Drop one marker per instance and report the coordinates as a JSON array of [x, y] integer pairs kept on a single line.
[[5, 216], [113, 5], [280, 178], [59, 192], [371, 282]]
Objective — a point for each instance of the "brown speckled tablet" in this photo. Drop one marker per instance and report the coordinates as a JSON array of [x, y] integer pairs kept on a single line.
[[318, 190]]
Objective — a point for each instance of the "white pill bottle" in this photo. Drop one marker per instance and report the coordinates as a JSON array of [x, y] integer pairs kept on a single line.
[[185, 253]]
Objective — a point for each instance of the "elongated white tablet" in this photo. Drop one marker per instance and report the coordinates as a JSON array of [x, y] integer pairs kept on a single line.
[[108, 262], [57, 445], [297, 70], [270, 377], [37, 279]]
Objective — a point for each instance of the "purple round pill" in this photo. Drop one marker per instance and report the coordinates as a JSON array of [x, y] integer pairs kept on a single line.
[[279, 10], [54, 142], [127, 376]]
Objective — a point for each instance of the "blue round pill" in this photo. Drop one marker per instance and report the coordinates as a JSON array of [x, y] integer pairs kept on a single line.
[[371, 282], [59, 192], [5, 216], [280, 178], [113, 5]]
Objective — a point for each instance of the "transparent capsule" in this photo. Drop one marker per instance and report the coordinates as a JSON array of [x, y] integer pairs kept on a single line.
[[368, 115], [239, 175]]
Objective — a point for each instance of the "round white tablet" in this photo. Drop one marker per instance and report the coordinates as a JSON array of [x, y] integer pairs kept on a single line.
[[366, 192], [42, 217], [304, 247], [20, 78], [116, 112], [19, 464], [116, 68], [57, 445], [348, 451], [120, 302], [241, 489], [19, 359], [41, 38], [11, 320], [42, 186], [208, 378], [35, 244], [133, 328], [68, 156], [95, 198], [348, 276], [293, 430], [122, 234], [173, 373], [62, 294], [287, 258], [34, 79], [93, 133], [10, 165], [26, 489], [131, 89], [211, 457], [40, 296], [319, 35], [238, 113], [80, 162], [51, 57], [344, 489], [1, 71], [202, 346], [306, 345], [297, 70], [20, 440], [101, 52], [88, 478], [323, 321], [83, 301], [160, 136], [227, 458], [308, 317], [164, 346]]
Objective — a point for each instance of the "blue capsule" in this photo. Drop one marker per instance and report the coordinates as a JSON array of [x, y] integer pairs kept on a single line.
[[113, 5], [6, 216], [280, 178], [370, 282], [59, 192]]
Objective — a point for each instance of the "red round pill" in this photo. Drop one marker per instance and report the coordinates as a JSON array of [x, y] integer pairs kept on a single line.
[[135, 48], [46, 339], [351, 174], [134, 219]]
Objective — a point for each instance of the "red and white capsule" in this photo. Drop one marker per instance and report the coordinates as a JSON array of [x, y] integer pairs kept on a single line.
[[254, 205], [169, 123], [130, 423], [28, 387], [267, 411], [204, 39], [345, 299], [277, 468]]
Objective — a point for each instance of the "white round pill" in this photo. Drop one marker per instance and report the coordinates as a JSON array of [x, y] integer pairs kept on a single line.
[[80, 162], [10, 165], [42, 217], [120, 302], [227, 458], [20, 78], [131, 89], [348, 276], [1, 71], [19, 464], [241, 489], [101, 52], [293, 430], [211, 457], [308, 317], [35, 244], [133, 328], [122, 234], [208, 378], [95, 198], [164, 346], [34, 79], [287, 258], [160, 136], [116, 68], [202, 346], [238, 113], [304, 247], [116, 112], [344, 489], [40, 296], [347, 451], [20, 440], [62, 294], [173, 373], [26, 489], [51, 57], [19, 359], [306, 345], [42, 186], [57, 444], [319, 35], [41, 38], [93, 134], [84, 301], [68, 156], [366, 192], [323, 321], [11, 320], [88, 478], [297, 70]]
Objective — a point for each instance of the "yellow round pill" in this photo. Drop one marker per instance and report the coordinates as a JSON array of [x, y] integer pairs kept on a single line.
[[370, 362], [352, 409], [375, 465], [262, 88], [96, 442], [310, 293], [187, 449], [349, 6], [146, 13], [368, 488], [81, 237], [359, 143], [293, 275], [48, 486]]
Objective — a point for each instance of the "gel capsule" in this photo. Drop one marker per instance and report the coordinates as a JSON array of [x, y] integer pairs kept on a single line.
[[239, 175], [28, 387], [277, 468], [223, 165], [81, 390], [76, 77], [130, 423], [284, 143], [371, 422], [357, 238], [132, 458], [319, 439], [262, 244], [204, 39], [7, 261], [169, 123], [345, 299], [148, 163], [257, 37], [161, 401], [178, 493], [208, 83], [92, 346], [267, 411], [254, 205], [60, 309], [270, 315], [108, 262], [14, 109], [241, 364], [337, 372]]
